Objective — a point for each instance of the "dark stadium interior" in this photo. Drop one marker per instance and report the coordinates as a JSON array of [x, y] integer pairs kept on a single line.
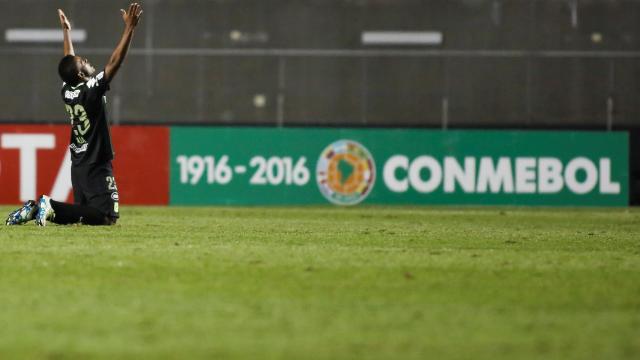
[[320, 179], [502, 64]]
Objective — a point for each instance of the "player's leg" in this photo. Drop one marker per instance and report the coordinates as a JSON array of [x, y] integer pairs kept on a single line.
[[65, 214], [45, 210], [91, 200], [95, 199], [102, 193]]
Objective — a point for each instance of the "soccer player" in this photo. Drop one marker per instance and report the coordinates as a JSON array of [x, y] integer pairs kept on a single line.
[[83, 92]]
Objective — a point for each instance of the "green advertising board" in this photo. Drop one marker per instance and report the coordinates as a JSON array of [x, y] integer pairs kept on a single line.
[[263, 166]]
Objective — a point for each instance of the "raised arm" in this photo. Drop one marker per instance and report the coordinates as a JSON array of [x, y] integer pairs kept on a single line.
[[131, 18], [66, 30]]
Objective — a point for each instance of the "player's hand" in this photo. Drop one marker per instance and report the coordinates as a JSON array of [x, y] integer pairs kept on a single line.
[[132, 15], [64, 22]]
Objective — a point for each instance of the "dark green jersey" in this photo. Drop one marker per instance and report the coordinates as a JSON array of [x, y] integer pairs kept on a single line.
[[90, 136]]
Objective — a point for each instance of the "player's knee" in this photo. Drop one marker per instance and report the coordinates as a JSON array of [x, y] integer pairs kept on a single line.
[[108, 221]]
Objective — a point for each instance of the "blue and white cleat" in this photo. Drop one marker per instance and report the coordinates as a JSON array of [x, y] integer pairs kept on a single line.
[[23, 215], [45, 211]]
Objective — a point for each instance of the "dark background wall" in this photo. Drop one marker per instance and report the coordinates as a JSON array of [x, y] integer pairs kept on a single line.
[[566, 64], [503, 63]]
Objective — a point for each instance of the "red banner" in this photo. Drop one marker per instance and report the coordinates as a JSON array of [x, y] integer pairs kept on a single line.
[[34, 160]]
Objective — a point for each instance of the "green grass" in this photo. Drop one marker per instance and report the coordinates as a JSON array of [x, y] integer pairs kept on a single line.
[[326, 283]]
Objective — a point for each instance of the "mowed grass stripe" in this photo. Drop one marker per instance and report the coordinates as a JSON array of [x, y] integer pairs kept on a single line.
[[326, 283]]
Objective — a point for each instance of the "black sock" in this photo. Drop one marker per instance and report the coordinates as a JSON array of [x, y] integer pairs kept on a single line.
[[72, 214]]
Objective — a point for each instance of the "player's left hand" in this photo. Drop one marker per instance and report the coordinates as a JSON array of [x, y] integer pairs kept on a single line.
[[66, 25], [132, 15]]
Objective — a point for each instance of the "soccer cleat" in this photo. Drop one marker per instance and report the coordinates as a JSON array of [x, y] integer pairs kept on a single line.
[[23, 215], [45, 211]]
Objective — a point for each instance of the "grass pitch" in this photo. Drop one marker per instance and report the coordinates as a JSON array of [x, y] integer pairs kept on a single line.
[[325, 283]]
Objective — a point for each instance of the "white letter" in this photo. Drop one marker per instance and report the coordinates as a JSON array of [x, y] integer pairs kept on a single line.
[[62, 186], [28, 144], [570, 175], [525, 175], [549, 175], [606, 186], [453, 172], [389, 173], [496, 177], [425, 162]]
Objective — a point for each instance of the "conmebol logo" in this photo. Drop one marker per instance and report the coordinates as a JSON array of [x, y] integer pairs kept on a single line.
[[518, 175], [346, 172]]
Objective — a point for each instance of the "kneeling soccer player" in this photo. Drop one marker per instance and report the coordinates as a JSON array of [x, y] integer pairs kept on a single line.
[[94, 187]]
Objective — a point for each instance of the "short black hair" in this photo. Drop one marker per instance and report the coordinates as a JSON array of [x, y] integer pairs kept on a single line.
[[68, 70]]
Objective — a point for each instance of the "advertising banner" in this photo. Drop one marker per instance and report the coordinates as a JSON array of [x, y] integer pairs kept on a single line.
[[247, 166], [34, 160]]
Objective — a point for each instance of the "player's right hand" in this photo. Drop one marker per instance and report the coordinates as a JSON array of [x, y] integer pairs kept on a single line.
[[132, 15], [66, 25]]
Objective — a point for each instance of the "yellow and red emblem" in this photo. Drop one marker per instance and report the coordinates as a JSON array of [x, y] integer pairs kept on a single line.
[[345, 172]]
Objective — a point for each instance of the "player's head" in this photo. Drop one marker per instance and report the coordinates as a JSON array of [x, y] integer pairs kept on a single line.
[[75, 69]]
